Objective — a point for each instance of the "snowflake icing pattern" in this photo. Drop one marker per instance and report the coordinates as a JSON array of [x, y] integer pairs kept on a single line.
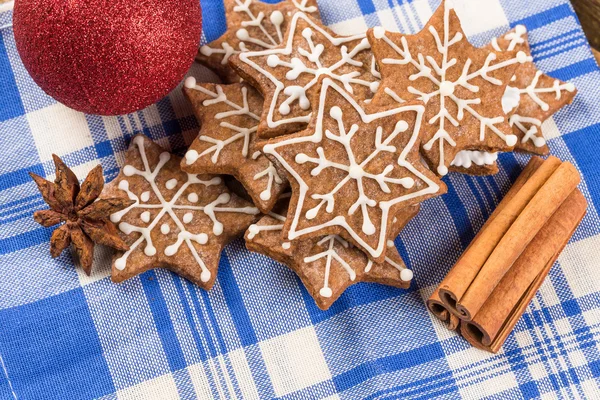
[[164, 207], [354, 171], [307, 64], [428, 68], [238, 133], [261, 38]]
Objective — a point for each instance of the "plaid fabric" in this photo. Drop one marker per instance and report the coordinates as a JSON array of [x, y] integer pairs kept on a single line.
[[258, 333]]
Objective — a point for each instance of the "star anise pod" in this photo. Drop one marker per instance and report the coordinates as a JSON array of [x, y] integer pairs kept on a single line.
[[86, 221]]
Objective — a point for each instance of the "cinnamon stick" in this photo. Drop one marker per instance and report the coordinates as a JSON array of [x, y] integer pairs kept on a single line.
[[525, 227], [458, 280], [496, 318], [439, 310]]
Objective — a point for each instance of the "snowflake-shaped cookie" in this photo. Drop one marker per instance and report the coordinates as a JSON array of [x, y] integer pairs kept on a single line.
[[460, 84], [328, 265], [229, 116], [531, 96], [287, 75], [251, 26], [179, 221], [351, 171]]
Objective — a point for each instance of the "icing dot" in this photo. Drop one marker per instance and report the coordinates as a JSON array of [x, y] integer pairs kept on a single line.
[[253, 230], [539, 141], [272, 61], [164, 229], [401, 126], [128, 170], [521, 57], [192, 198], [301, 158], [187, 218], [124, 185], [191, 157], [205, 50], [286, 245], [390, 243], [378, 32], [335, 112], [442, 170], [374, 86], [242, 34], [355, 171], [520, 29], [511, 140], [145, 217], [171, 183], [150, 250], [121, 263], [406, 275], [265, 195], [145, 196], [284, 109], [570, 87], [190, 81], [205, 276], [325, 292], [276, 18], [446, 88]]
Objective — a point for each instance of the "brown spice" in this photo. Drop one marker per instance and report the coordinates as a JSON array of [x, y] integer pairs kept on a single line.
[[85, 220]]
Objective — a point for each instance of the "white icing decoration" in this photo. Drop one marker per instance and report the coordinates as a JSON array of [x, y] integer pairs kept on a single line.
[[390, 243], [353, 170], [240, 133], [528, 125], [312, 55], [510, 99], [192, 197], [171, 183], [145, 216], [168, 208], [187, 218], [437, 75], [264, 39], [331, 254], [466, 158], [145, 196]]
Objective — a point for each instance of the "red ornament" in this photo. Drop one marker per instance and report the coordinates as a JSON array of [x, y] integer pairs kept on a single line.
[[107, 57]]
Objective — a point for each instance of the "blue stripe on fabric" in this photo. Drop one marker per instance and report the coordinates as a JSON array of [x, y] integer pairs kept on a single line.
[[235, 303], [556, 39], [192, 289], [483, 206], [162, 320], [366, 7], [575, 44], [51, 349], [20, 176], [421, 386], [387, 364], [458, 212], [575, 70], [11, 105], [187, 311], [544, 18], [26, 239], [583, 145]]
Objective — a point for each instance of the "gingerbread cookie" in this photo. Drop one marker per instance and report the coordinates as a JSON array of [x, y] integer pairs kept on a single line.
[[251, 26], [229, 116], [460, 85], [287, 75], [531, 96], [327, 265], [351, 171], [178, 221]]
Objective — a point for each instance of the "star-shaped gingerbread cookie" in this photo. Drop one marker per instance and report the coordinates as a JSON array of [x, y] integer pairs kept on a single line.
[[531, 96], [229, 116], [328, 265], [178, 221], [460, 85], [351, 171], [252, 25], [287, 75]]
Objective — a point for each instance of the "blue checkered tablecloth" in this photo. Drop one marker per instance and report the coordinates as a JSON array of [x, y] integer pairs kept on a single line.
[[258, 334]]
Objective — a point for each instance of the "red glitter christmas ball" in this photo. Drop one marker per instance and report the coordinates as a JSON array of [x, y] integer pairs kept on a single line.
[[107, 57]]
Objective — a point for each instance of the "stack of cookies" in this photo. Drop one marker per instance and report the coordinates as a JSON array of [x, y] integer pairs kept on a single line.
[[335, 141]]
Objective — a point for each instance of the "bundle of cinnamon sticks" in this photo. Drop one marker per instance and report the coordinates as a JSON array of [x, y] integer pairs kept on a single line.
[[488, 289]]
